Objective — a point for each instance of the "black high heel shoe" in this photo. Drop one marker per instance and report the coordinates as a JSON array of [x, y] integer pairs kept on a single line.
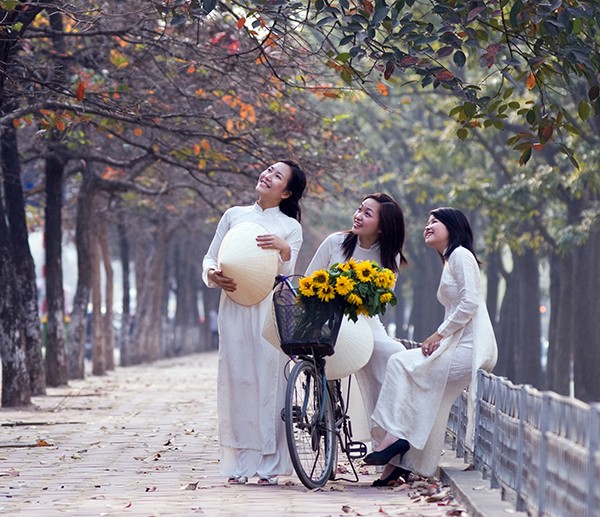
[[397, 473], [383, 457]]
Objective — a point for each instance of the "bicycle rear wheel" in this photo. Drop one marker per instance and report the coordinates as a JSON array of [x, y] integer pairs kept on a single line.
[[309, 425]]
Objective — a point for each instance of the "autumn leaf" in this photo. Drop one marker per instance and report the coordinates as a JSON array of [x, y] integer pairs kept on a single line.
[[42, 443], [16, 122], [118, 59], [196, 149], [60, 125], [138, 131], [444, 76], [241, 22], [383, 89], [80, 92], [530, 81]]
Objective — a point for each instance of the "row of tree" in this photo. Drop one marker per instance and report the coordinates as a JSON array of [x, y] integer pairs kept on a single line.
[[134, 125]]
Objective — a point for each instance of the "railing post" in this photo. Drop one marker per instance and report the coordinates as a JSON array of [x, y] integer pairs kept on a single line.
[[594, 437], [543, 458], [521, 448], [494, 478], [476, 458]]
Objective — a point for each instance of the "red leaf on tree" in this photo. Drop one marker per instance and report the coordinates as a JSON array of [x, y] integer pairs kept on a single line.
[[409, 60], [80, 93], [530, 81], [444, 76], [241, 22]]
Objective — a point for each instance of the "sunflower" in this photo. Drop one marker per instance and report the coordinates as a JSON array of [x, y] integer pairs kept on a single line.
[[385, 279], [347, 266], [307, 287], [362, 309], [365, 271], [344, 285], [354, 299], [326, 292], [385, 297], [320, 277]]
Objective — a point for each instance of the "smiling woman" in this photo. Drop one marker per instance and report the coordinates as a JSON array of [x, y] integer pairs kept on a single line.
[[377, 235], [251, 387]]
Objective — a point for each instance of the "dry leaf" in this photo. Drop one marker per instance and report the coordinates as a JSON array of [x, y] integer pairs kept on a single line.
[[189, 486]]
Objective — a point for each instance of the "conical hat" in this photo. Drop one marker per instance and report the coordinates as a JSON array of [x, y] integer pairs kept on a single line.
[[353, 347], [253, 268]]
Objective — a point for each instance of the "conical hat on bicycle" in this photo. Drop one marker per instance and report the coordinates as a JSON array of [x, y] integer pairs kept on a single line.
[[353, 347], [253, 268]]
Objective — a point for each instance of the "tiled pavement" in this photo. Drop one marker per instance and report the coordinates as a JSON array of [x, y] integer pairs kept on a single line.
[[142, 441]]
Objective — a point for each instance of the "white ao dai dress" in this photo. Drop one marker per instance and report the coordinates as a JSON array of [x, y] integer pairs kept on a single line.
[[418, 391], [251, 384]]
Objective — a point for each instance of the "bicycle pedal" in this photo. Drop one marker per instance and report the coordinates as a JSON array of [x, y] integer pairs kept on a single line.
[[356, 450], [296, 414]]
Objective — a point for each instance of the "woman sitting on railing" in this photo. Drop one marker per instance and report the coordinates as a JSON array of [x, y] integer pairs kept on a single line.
[[421, 385]]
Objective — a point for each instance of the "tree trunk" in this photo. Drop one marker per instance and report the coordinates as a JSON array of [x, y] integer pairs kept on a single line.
[[79, 318], [56, 363], [16, 385], [587, 315], [109, 331], [493, 276], [523, 301], [150, 257], [560, 350], [125, 335], [187, 316], [98, 349], [25, 277]]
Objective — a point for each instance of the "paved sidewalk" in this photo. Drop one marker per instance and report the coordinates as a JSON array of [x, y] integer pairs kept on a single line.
[[142, 441]]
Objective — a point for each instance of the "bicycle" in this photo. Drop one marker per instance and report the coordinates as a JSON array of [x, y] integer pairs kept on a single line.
[[315, 412]]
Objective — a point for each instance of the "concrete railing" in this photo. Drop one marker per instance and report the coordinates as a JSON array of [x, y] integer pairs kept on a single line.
[[541, 449]]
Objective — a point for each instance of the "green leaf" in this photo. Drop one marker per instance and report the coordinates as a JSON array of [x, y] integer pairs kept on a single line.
[[462, 133], [514, 13], [470, 109], [584, 110], [459, 58], [525, 156]]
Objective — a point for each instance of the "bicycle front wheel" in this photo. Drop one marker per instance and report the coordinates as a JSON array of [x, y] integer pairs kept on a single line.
[[309, 425]]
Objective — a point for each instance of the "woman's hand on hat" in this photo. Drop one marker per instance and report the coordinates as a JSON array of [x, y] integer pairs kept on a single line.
[[217, 277], [274, 242]]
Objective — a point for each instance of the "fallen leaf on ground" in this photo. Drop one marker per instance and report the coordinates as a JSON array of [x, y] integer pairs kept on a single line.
[[189, 486]]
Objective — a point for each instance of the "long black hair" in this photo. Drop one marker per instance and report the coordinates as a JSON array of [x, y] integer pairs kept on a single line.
[[392, 231], [290, 206], [459, 230]]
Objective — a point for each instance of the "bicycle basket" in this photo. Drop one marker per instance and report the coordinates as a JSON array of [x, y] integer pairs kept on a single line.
[[302, 331]]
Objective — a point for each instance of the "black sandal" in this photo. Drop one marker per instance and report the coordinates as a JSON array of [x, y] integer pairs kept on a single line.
[[397, 473]]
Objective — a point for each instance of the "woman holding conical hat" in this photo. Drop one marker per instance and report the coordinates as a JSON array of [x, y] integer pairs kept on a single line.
[[251, 386]]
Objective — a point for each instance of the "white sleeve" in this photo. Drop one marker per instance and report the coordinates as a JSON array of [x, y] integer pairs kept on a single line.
[[294, 239], [466, 274], [323, 256]]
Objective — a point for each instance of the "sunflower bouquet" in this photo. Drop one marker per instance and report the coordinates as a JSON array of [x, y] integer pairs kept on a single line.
[[357, 287], [309, 317]]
